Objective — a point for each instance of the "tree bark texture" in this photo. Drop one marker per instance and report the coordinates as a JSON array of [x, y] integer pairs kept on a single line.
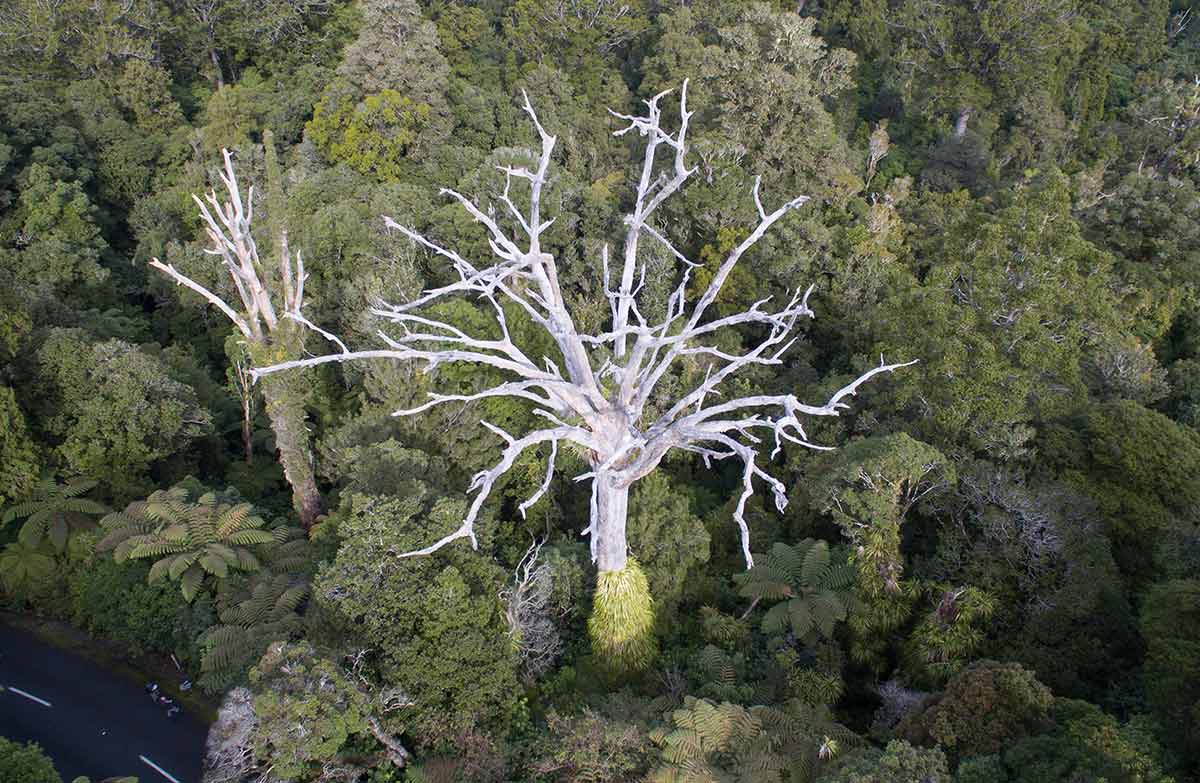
[[285, 409]]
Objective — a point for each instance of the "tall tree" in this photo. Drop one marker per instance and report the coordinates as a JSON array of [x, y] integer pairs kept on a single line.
[[605, 393], [270, 302]]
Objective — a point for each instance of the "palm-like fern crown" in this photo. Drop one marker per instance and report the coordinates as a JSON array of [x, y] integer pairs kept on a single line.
[[702, 738], [266, 610], [813, 588], [721, 675], [54, 511], [707, 741], [189, 538]]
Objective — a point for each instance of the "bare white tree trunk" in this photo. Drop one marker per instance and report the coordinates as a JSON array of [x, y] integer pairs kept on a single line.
[[608, 520]]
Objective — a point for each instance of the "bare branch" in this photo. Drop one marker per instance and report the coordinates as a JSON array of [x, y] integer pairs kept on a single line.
[[650, 194], [530, 613], [227, 224], [541, 490], [484, 480], [299, 318], [515, 389], [218, 302]]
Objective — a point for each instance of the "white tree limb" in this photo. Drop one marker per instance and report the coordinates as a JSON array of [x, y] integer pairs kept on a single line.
[[607, 421], [227, 224]]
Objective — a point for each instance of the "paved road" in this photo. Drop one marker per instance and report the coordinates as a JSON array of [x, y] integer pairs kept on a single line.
[[98, 724]]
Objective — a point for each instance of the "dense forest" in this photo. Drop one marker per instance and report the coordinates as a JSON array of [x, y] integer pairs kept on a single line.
[[658, 511]]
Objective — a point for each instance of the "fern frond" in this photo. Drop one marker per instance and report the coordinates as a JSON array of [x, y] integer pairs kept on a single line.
[[800, 615], [816, 560], [766, 581], [154, 547], [250, 537], [236, 518], [222, 645], [289, 600], [175, 533], [214, 564], [190, 582], [776, 619], [839, 576], [789, 559], [32, 532], [159, 570], [181, 563]]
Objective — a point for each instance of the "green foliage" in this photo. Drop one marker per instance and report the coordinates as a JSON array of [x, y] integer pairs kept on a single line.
[[190, 538], [726, 631], [59, 240], [899, 762], [296, 685], [669, 540], [26, 570], [999, 344], [436, 622], [25, 763], [590, 748], [54, 511], [949, 635], [20, 462], [1141, 469], [758, 77], [621, 625], [114, 410], [983, 709], [813, 589], [115, 601], [868, 487], [1084, 744], [394, 66], [1170, 622], [372, 137], [265, 610], [1007, 191], [704, 740], [720, 676]]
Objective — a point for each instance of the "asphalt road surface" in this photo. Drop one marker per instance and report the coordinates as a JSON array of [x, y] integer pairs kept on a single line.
[[91, 722]]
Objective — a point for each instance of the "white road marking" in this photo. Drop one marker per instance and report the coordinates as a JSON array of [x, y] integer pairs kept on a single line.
[[159, 770], [30, 696]]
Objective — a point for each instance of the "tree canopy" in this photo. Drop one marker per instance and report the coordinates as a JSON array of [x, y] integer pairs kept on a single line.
[[794, 391]]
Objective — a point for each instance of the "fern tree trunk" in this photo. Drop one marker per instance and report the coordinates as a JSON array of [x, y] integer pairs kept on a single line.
[[622, 622]]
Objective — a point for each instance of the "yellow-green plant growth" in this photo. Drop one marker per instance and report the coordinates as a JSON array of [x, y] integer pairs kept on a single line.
[[622, 621], [372, 137]]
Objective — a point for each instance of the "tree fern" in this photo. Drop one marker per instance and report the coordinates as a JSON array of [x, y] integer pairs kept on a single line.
[[729, 743], [813, 589], [23, 569], [263, 610], [189, 539], [719, 675], [54, 512]]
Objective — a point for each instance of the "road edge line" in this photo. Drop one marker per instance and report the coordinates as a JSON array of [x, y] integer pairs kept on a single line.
[[159, 769], [30, 696]]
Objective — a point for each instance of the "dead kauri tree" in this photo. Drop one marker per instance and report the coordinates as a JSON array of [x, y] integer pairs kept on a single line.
[[267, 314], [595, 393]]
